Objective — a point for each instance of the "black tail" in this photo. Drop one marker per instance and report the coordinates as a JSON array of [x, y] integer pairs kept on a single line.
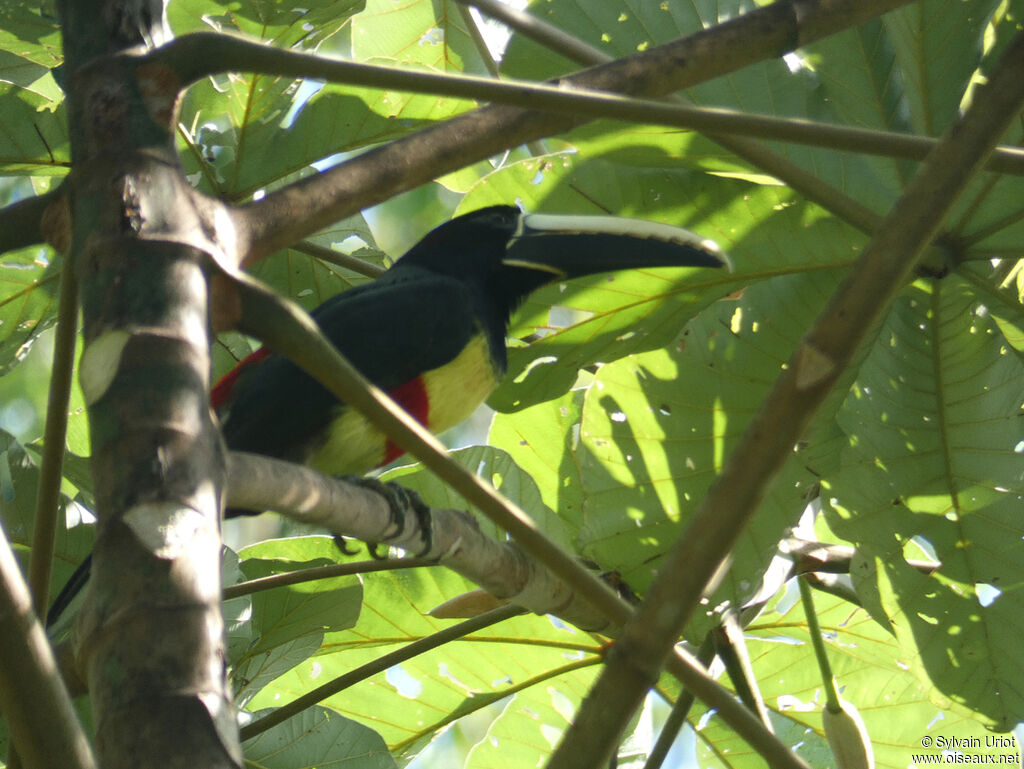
[[71, 589], [80, 577]]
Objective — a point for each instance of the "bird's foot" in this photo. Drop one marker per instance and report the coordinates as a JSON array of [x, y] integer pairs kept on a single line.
[[400, 500]]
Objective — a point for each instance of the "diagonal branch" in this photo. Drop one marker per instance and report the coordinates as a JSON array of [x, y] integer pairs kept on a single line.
[[282, 325], [813, 369], [378, 665], [680, 711]]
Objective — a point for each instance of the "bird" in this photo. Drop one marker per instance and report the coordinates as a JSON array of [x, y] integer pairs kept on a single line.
[[430, 331]]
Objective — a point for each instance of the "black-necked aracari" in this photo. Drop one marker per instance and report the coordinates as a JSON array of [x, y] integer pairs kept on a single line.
[[430, 331]]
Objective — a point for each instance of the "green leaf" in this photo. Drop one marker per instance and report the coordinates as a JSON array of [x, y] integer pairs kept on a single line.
[[1003, 302], [252, 665], [28, 301], [305, 25], [261, 665], [285, 613], [938, 45], [311, 281], [424, 33], [789, 88], [254, 132], [33, 77], [857, 78], [19, 481], [30, 32], [933, 457], [317, 737], [249, 132], [411, 703], [657, 428], [869, 668], [33, 131], [542, 440]]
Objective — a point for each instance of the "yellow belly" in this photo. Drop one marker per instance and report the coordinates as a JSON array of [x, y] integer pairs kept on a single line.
[[452, 391], [455, 390]]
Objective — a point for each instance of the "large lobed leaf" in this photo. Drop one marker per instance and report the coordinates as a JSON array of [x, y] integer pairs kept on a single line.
[[934, 458], [411, 704], [870, 672]]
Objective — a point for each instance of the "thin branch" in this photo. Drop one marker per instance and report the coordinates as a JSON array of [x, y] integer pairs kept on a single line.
[[832, 585], [45, 521], [769, 438], [230, 53], [731, 647], [818, 556], [829, 558], [536, 147], [378, 665], [734, 713], [339, 259], [52, 465], [295, 211], [37, 709], [680, 710], [480, 701], [542, 33], [322, 572], [828, 681], [479, 43]]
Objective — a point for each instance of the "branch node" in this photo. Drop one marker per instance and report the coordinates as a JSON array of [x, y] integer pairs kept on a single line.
[[812, 367]]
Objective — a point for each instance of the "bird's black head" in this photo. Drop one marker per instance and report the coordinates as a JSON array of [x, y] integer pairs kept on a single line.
[[509, 254], [473, 248]]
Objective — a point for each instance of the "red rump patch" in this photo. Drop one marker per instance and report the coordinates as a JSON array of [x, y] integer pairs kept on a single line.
[[221, 392], [411, 396]]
